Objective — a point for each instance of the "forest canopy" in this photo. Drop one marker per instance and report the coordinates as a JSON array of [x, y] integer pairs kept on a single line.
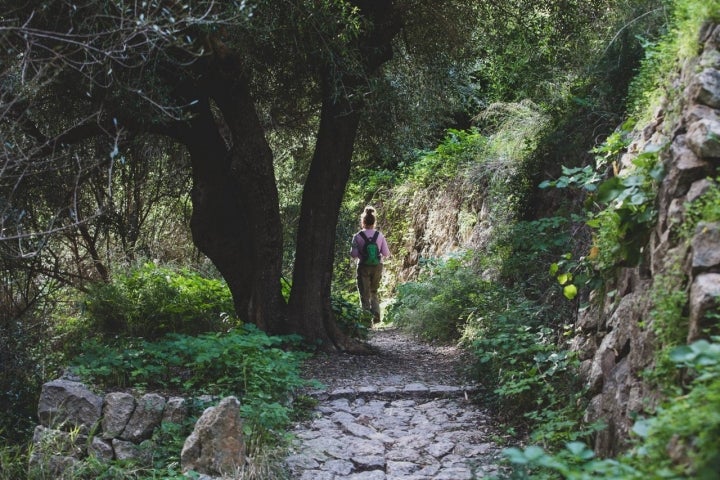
[[119, 116]]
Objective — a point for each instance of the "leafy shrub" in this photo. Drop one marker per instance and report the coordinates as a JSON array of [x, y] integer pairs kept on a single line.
[[620, 209], [533, 378], [351, 318], [516, 331], [242, 361], [510, 324], [458, 148], [576, 461], [624, 224], [437, 305], [530, 247], [684, 435], [152, 301], [682, 441]]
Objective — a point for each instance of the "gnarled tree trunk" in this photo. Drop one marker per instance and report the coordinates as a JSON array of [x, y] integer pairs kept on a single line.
[[310, 308], [310, 303], [236, 217]]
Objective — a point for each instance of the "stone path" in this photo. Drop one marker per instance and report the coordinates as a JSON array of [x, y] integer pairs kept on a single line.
[[402, 413]]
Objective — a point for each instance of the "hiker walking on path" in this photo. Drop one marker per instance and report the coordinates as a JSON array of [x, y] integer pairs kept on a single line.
[[369, 247]]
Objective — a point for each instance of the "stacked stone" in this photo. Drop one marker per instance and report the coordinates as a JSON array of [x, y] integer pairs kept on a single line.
[[76, 423], [615, 340]]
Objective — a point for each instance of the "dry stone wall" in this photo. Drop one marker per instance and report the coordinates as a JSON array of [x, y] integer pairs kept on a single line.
[[615, 337], [76, 423]]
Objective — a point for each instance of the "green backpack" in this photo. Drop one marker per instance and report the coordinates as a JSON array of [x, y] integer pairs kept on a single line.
[[370, 254]]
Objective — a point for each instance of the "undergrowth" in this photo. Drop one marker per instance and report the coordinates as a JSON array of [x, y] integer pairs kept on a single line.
[[151, 301], [681, 441], [509, 321], [681, 438], [165, 330], [500, 302]]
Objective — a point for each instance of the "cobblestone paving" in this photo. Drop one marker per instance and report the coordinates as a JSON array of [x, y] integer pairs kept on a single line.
[[402, 413]]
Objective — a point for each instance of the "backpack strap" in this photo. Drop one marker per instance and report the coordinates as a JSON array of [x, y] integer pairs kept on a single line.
[[369, 240]]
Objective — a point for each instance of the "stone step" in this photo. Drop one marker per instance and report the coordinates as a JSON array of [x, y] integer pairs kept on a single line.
[[395, 392]]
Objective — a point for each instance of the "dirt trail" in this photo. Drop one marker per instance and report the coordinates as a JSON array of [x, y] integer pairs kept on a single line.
[[401, 413]]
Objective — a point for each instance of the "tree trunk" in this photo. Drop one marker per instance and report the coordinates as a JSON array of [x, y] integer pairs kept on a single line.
[[251, 164], [235, 219], [310, 308]]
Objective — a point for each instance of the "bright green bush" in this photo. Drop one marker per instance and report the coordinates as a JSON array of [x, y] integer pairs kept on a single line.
[[458, 148], [151, 301], [241, 361], [436, 306]]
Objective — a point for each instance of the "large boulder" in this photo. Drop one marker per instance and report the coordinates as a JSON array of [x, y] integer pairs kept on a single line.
[[216, 446], [68, 404]]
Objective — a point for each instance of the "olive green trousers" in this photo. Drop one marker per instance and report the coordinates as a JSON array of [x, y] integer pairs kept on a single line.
[[368, 282]]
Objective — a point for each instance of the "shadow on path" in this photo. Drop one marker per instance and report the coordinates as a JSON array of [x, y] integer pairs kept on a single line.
[[402, 413]]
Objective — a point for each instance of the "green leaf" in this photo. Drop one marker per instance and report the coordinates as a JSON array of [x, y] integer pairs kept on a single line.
[[515, 455], [638, 199], [580, 450], [609, 190], [534, 452], [633, 181], [682, 354], [641, 428], [570, 291]]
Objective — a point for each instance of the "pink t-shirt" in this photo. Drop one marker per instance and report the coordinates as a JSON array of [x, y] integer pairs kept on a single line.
[[358, 243]]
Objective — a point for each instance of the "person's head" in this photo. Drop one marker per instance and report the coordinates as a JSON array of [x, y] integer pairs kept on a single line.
[[367, 218]]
